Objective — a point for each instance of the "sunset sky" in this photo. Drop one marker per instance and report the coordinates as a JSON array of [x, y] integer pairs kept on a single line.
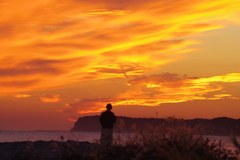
[[65, 59]]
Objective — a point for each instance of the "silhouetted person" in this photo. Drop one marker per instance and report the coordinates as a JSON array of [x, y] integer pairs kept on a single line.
[[107, 119]]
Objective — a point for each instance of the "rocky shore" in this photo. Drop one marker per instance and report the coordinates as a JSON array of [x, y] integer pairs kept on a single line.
[[44, 150]]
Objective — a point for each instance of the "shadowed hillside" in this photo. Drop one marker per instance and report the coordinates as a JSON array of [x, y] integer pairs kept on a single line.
[[215, 126]]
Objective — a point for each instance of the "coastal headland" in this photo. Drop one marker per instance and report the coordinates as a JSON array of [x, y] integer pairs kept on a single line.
[[221, 126], [56, 150]]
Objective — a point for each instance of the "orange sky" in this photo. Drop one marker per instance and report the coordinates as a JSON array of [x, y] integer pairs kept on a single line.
[[61, 60]]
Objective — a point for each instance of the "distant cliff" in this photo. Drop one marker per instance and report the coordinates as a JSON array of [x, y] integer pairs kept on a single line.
[[215, 126]]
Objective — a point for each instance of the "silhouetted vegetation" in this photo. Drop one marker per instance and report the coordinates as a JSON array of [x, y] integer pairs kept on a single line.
[[215, 126], [171, 140]]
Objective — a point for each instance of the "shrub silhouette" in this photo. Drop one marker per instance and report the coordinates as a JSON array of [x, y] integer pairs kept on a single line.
[[172, 140]]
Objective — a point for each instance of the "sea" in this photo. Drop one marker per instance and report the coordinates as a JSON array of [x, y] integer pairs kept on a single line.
[[92, 137], [17, 136]]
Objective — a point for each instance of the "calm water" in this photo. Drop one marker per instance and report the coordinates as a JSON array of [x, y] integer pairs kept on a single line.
[[13, 136]]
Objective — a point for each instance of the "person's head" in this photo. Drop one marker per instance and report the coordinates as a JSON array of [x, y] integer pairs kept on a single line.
[[109, 106]]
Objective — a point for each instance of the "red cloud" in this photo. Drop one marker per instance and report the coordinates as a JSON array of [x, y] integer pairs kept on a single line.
[[50, 98], [46, 45]]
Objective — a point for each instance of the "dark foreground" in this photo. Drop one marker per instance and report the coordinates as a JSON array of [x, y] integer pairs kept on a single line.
[[45, 150], [138, 148], [172, 140]]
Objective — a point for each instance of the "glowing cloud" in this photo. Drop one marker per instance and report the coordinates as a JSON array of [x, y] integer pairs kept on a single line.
[[107, 12], [49, 45], [173, 88], [50, 98], [155, 90], [84, 106], [22, 95], [71, 120]]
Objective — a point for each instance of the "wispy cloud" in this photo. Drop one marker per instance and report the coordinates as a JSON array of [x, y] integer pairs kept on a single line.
[[50, 98], [158, 89], [110, 51], [174, 88], [71, 120], [84, 106], [22, 95], [81, 40]]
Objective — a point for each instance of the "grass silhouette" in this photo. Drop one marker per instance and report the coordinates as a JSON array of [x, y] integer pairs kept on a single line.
[[171, 140]]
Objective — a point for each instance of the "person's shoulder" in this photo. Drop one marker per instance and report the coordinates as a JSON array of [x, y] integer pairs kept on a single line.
[[103, 112], [108, 112], [112, 113]]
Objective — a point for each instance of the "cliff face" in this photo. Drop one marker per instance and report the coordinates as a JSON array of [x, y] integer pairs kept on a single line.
[[216, 126], [87, 124]]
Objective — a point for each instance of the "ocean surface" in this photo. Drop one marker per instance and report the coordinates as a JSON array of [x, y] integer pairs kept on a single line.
[[15, 136]]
